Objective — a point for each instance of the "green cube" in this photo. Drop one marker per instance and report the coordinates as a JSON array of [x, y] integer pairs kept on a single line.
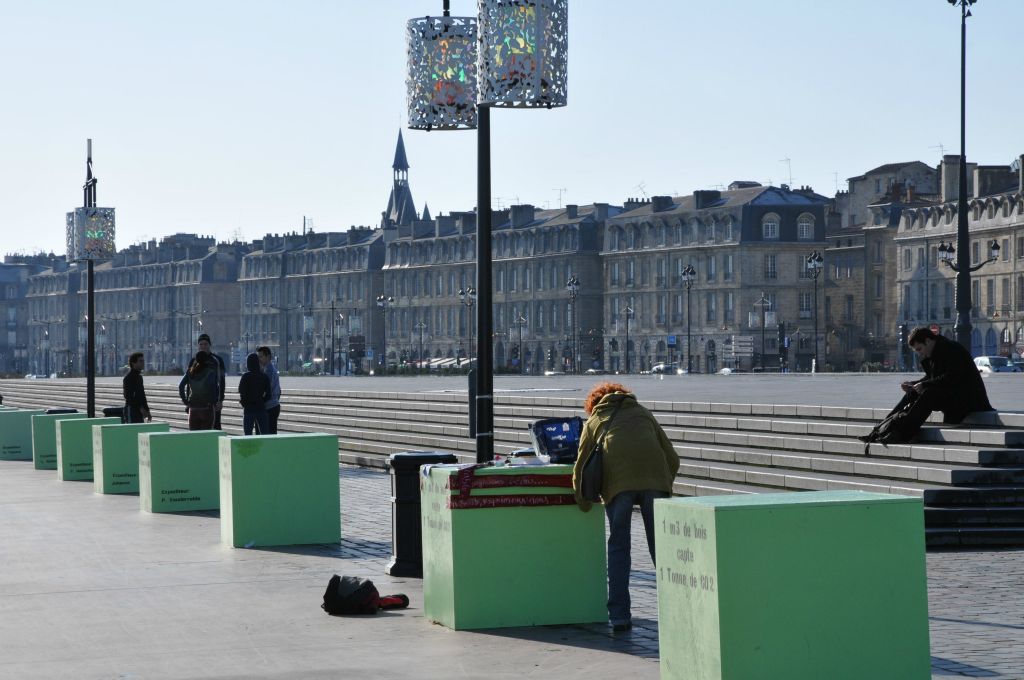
[[178, 471], [44, 438], [74, 447], [279, 490], [115, 455], [16, 434], [799, 586], [520, 563]]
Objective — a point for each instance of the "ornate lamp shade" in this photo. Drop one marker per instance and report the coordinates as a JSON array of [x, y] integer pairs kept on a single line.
[[523, 52], [441, 84], [90, 234]]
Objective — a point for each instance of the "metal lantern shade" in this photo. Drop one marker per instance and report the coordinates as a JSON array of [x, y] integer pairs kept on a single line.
[[90, 234], [441, 84], [523, 52]]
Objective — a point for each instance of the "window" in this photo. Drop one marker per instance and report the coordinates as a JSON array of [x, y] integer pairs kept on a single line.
[[1020, 246], [848, 309], [878, 252], [728, 307], [770, 227], [709, 265], [727, 267], [802, 270], [769, 267], [879, 286], [1005, 250], [712, 314], [614, 275], [920, 258], [990, 297], [805, 227], [975, 253], [906, 260]]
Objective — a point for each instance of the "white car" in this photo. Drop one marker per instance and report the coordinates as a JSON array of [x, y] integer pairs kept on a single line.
[[995, 365]]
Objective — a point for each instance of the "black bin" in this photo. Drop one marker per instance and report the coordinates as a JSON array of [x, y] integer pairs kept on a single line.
[[114, 412], [406, 531], [53, 411]]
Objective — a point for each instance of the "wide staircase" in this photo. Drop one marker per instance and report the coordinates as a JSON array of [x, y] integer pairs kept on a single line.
[[971, 477]]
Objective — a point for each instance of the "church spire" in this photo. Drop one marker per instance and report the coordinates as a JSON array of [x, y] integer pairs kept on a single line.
[[401, 164], [401, 210]]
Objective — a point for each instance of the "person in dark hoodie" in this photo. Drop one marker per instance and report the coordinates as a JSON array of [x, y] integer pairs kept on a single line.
[[253, 392], [136, 408]]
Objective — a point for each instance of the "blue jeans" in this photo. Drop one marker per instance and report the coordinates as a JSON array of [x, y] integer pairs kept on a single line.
[[257, 417], [620, 517]]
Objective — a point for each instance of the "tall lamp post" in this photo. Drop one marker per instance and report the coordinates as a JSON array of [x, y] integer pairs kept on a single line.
[[628, 313], [384, 301], [573, 288], [688, 275], [764, 303], [420, 326], [963, 241], [947, 253], [521, 322], [467, 296], [815, 265], [453, 82]]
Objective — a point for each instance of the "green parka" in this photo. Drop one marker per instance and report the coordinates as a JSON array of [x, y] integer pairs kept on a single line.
[[637, 454]]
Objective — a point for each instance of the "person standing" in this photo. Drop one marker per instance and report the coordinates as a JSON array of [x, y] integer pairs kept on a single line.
[[640, 465], [199, 389], [203, 342], [253, 392], [136, 408], [274, 402]]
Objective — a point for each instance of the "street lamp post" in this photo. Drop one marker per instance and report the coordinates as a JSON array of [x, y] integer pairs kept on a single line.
[[573, 287], [763, 302], [963, 241], [688, 275], [628, 313], [384, 301], [815, 265], [961, 265], [467, 296], [420, 326], [521, 322]]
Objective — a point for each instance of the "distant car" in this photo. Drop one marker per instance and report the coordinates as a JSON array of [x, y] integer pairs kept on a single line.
[[666, 368], [995, 365], [554, 373], [594, 371]]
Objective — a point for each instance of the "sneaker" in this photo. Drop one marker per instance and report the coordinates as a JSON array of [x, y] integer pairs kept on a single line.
[[622, 627]]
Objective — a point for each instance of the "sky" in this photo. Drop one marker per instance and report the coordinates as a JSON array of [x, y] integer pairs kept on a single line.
[[239, 118]]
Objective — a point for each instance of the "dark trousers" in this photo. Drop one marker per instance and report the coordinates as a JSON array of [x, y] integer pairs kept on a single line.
[[255, 418], [920, 406], [273, 413], [201, 417], [216, 420], [132, 414]]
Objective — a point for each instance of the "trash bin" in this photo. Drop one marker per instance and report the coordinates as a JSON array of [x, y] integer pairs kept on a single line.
[[406, 532], [557, 439], [54, 411], [114, 412]]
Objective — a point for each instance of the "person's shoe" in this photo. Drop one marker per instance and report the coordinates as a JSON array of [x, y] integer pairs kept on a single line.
[[866, 438], [622, 627]]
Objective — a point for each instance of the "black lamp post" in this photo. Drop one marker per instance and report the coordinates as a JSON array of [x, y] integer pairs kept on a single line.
[[947, 253], [963, 241], [628, 313], [688, 275], [573, 288], [815, 265], [521, 322], [420, 326], [763, 303], [467, 296], [384, 301]]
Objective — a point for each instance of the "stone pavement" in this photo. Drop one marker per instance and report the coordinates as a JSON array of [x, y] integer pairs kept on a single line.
[[91, 588]]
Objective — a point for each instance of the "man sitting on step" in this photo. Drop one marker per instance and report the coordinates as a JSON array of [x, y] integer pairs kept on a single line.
[[951, 384]]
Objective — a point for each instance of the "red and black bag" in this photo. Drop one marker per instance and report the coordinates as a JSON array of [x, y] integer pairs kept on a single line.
[[347, 595]]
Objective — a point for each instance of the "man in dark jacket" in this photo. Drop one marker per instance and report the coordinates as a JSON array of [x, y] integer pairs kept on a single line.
[[203, 342], [253, 392], [136, 408]]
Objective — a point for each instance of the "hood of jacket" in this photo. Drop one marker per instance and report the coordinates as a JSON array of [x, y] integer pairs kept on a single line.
[[252, 362]]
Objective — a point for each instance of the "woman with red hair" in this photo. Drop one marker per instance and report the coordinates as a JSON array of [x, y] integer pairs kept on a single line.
[[639, 466]]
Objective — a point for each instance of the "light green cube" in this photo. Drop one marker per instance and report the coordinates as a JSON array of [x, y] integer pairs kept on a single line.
[[279, 490], [44, 438], [801, 586], [178, 471], [74, 447], [16, 434], [115, 455], [518, 565]]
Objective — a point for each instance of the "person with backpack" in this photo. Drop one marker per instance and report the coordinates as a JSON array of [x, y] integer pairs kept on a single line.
[[200, 390], [136, 408], [253, 392], [951, 384], [203, 342]]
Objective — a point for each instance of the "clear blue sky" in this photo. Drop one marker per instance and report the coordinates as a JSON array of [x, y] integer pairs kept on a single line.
[[240, 117]]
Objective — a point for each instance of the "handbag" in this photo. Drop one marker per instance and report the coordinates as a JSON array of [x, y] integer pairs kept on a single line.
[[592, 475]]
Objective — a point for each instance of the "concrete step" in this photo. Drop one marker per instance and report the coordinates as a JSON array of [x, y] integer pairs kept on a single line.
[[971, 516], [974, 537]]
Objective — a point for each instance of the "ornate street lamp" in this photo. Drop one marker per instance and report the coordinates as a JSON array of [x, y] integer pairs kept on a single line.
[[963, 240], [420, 326], [573, 288], [467, 296], [384, 301], [520, 62], [521, 322], [628, 313], [764, 303], [815, 265], [688, 275]]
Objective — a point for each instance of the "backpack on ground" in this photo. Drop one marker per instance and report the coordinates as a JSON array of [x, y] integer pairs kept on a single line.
[[895, 429], [355, 595]]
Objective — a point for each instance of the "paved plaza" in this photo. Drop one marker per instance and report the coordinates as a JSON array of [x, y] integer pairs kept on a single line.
[[93, 589]]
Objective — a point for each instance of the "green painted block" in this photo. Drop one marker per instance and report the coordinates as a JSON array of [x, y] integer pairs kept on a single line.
[[279, 490], [494, 567], [44, 438], [74, 447], [801, 586], [115, 455], [178, 471], [16, 434]]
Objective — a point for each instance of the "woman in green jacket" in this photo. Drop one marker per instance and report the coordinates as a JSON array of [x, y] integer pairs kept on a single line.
[[639, 466]]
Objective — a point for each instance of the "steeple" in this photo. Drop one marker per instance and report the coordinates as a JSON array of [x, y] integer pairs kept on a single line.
[[401, 164], [426, 214], [401, 210]]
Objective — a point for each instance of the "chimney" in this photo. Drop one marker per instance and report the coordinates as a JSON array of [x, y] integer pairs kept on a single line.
[[1020, 173], [949, 173], [571, 211], [522, 215], [600, 211], [661, 203], [705, 199], [911, 193]]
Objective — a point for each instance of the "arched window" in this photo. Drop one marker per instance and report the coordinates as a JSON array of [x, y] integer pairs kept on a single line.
[[805, 227], [770, 227]]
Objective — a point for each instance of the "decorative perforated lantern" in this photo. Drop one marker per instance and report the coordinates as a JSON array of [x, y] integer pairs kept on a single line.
[[90, 234], [441, 82], [522, 59]]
